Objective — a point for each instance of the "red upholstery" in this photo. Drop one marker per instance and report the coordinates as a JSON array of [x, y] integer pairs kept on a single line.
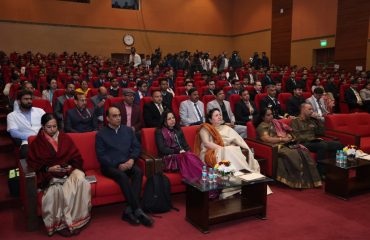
[[202, 89], [227, 88], [92, 92], [306, 95], [58, 93], [176, 101], [258, 98], [149, 147], [42, 103], [352, 128], [144, 101], [200, 83], [206, 99], [222, 83], [180, 91], [249, 88], [233, 99], [283, 98], [70, 103]]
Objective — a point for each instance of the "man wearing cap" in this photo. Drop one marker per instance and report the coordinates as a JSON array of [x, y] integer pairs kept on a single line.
[[130, 112], [192, 110]]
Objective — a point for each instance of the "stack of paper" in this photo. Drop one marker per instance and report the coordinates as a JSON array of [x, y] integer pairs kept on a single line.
[[252, 176]]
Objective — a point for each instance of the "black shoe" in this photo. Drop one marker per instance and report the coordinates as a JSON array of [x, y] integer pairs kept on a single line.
[[145, 219], [130, 218]]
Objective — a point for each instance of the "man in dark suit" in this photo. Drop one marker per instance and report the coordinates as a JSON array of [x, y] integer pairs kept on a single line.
[[293, 104], [251, 77], [142, 91], [270, 101], [257, 89], [58, 106], [245, 109], [166, 95], [267, 80], [352, 96], [81, 119], [153, 110], [211, 88], [290, 83], [129, 109], [235, 90], [98, 102], [100, 81]]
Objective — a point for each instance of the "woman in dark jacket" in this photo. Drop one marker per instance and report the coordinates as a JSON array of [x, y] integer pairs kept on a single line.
[[174, 149]]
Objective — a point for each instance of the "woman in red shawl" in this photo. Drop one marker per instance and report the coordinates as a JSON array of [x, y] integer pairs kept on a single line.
[[66, 200]]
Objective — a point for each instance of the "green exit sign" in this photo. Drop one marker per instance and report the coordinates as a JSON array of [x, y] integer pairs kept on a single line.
[[323, 43]]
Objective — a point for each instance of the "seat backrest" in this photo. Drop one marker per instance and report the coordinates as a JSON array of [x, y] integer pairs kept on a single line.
[[42, 103], [227, 88], [180, 91], [342, 90], [58, 93], [306, 95], [355, 123], [251, 130], [148, 144], [249, 88], [233, 99], [176, 101], [222, 83], [70, 103], [202, 89], [189, 134], [283, 98], [206, 99], [258, 98], [85, 142], [144, 101]]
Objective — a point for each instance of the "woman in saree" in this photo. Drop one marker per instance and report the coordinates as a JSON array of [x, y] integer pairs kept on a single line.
[[66, 200], [295, 166], [174, 149], [215, 142]]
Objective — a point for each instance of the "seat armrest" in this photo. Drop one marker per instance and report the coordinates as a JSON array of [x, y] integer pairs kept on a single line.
[[148, 162], [345, 138], [28, 188]]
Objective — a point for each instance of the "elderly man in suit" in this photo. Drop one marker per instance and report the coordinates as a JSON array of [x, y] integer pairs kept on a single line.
[[192, 110], [98, 102], [153, 110], [130, 112], [270, 101], [227, 114], [245, 109], [318, 104], [58, 106]]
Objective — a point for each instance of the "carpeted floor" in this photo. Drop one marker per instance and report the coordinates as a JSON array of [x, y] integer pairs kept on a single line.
[[309, 214]]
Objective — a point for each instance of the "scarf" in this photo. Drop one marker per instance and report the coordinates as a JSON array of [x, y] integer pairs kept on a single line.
[[281, 128], [210, 156]]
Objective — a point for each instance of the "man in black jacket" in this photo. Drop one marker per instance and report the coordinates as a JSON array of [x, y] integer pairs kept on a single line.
[[153, 110], [293, 104], [271, 102]]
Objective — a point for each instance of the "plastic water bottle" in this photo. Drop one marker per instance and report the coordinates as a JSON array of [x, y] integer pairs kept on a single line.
[[337, 157], [204, 173], [341, 156], [215, 175], [210, 175]]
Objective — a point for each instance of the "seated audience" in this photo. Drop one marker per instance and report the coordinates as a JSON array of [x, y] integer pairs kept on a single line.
[[307, 130], [352, 96], [98, 101], [267, 80], [293, 105], [49, 91], [211, 88], [166, 91], [130, 112], [58, 107], [215, 142], [365, 96], [153, 110], [174, 149], [295, 167], [251, 76], [189, 84], [28, 87], [318, 104], [316, 84], [100, 82], [81, 119], [66, 199], [192, 110], [236, 88], [84, 89], [114, 89], [142, 91], [291, 83], [117, 150], [227, 115], [270, 101], [245, 109], [24, 121], [257, 89]]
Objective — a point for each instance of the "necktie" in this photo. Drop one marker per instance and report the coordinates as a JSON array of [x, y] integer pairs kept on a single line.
[[320, 107], [198, 112], [160, 108]]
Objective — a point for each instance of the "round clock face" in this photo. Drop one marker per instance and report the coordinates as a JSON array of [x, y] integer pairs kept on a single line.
[[128, 40]]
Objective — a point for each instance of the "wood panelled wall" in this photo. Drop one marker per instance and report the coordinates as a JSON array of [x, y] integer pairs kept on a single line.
[[281, 31], [352, 33]]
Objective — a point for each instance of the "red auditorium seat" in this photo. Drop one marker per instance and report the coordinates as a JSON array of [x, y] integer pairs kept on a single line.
[[180, 91], [283, 98], [58, 93], [70, 103], [233, 99], [42, 103], [206, 99], [176, 101], [109, 103], [258, 98]]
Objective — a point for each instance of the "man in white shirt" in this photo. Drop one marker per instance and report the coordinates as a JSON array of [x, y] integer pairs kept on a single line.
[[192, 110], [24, 121], [135, 58]]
